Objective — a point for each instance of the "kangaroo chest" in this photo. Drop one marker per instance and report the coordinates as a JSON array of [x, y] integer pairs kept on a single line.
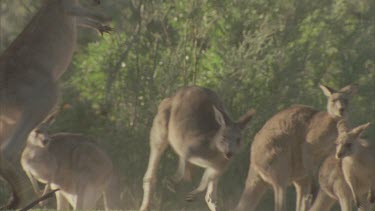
[[39, 165]]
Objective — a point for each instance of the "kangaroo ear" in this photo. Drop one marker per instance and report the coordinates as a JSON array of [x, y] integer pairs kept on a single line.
[[350, 89], [51, 118], [342, 126], [219, 116], [244, 119], [48, 121], [360, 129], [328, 91]]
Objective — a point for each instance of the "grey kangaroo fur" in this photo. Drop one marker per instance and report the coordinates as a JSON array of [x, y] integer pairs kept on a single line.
[[348, 175], [72, 163], [195, 124], [290, 148], [29, 69]]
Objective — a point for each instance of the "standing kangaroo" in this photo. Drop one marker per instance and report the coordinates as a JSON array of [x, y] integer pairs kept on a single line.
[[348, 175], [196, 125], [358, 160], [289, 149], [72, 163], [333, 187], [29, 68]]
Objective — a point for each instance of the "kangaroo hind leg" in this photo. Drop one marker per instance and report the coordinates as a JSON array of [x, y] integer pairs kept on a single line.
[[254, 190], [158, 144]]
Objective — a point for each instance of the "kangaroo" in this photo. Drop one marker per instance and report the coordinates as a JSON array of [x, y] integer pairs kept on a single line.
[[354, 158], [196, 125], [289, 149], [29, 68], [333, 187], [72, 163], [358, 160]]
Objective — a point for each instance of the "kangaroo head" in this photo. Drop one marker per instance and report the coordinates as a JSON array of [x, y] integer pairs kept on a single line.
[[228, 138], [38, 137], [338, 101], [348, 140]]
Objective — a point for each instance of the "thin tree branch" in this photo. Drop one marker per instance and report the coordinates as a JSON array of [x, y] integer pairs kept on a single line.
[[42, 198]]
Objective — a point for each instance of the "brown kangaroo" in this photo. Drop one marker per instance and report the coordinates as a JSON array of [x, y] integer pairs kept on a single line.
[[333, 187], [196, 125], [29, 68], [350, 174], [72, 163], [358, 159], [289, 149]]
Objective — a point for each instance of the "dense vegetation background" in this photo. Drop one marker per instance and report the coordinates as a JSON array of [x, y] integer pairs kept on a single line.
[[266, 55]]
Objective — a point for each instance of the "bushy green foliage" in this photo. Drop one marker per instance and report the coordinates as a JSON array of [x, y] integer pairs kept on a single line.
[[266, 55]]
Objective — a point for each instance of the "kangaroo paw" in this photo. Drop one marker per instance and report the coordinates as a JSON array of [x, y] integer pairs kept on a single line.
[[309, 200], [104, 29], [190, 197], [170, 184]]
